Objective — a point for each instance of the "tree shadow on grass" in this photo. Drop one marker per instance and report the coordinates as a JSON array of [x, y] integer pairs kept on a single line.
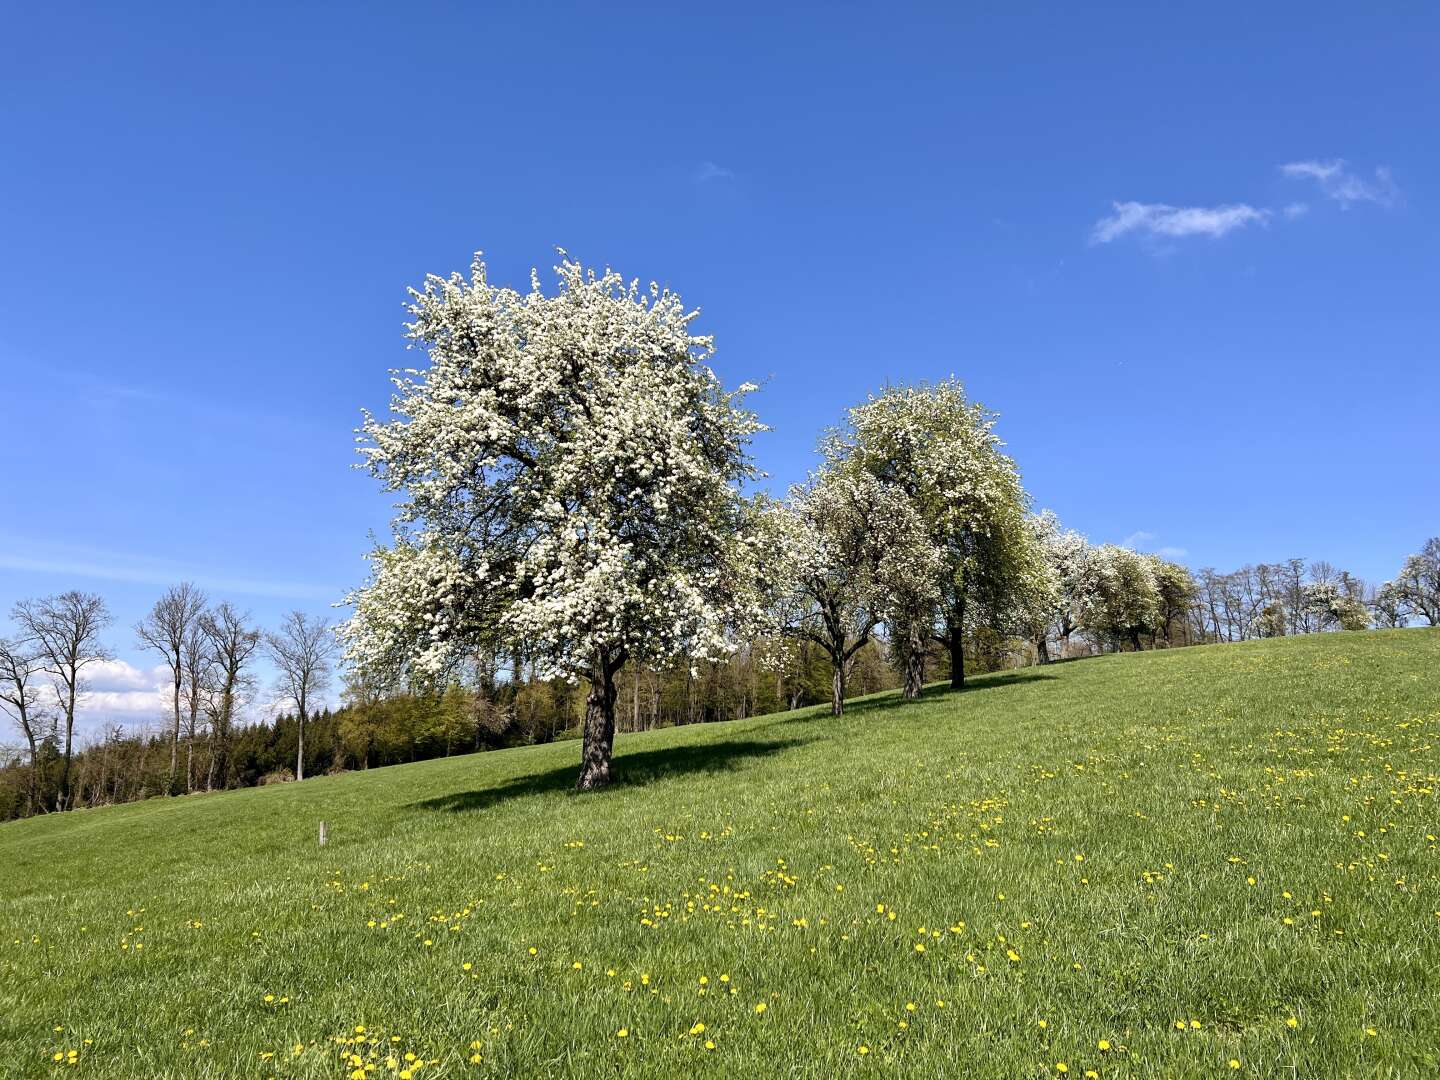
[[627, 770], [891, 699]]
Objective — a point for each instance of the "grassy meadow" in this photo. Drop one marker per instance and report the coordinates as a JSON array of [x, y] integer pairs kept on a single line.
[[1206, 862]]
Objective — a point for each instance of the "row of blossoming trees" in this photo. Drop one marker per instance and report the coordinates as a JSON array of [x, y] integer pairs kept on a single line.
[[571, 481], [573, 528]]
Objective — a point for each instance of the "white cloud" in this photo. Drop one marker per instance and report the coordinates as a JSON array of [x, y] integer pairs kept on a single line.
[[116, 692], [1143, 540], [1158, 219], [708, 171], [1337, 181]]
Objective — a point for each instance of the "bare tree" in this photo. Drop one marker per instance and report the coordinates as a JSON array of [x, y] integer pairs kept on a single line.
[[231, 645], [166, 630], [20, 668], [302, 650], [65, 630], [195, 661]]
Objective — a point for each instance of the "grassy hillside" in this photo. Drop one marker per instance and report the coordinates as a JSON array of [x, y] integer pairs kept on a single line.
[[1199, 862]]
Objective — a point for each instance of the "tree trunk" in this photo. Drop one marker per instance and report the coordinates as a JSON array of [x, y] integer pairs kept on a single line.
[[35, 799], [62, 798], [837, 688], [1042, 648], [171, 789], [914, 661], [956, 642], [300, 748], [599, 731]]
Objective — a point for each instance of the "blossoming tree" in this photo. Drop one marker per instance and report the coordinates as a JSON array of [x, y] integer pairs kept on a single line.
[[1066, 554], [941, 451], [851, 546], [569, 470]]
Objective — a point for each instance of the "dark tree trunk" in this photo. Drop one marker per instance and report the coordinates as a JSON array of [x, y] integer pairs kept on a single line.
[[36, 801], [1042, 647], [599, 731], [171, 787], [837, 688], [300, 745], [914, 662]]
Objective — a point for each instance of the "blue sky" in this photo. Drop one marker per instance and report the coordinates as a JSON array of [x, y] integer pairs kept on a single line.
[[208, 216]]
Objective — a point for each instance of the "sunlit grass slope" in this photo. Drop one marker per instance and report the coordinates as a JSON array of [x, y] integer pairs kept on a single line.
[[1203, 862]]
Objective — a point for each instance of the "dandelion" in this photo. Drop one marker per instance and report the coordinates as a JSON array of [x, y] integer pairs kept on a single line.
[[623, 1033], [862, 1049], [1292, 1022], [760, 1007], [1234, 1063], [1103, 1044]]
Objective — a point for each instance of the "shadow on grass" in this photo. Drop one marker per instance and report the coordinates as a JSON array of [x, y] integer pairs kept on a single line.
[[628, 770], [994, 680], [891, 699]]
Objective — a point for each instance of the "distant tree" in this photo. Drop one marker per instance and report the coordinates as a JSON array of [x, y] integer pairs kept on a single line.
[[1066, 554], [231, 644], [1418, 583], [835, 537], [169, 629], [302, 651], [1272, 620], [1174, 593], [65, 630], [1328, 606], [1125, 602], [1387, 607], [941, 451], [571, 471], [20, 670]]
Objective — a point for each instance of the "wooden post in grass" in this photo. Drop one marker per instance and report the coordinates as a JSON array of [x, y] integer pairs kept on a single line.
[[322, 834]]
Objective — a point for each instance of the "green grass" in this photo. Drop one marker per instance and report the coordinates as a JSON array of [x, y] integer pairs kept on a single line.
[[1225, 839]]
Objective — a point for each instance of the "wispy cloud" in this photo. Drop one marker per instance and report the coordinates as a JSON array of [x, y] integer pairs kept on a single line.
[[1339, 182], [1161, 220], [1143, 540], [709, 171], [101, 565]]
